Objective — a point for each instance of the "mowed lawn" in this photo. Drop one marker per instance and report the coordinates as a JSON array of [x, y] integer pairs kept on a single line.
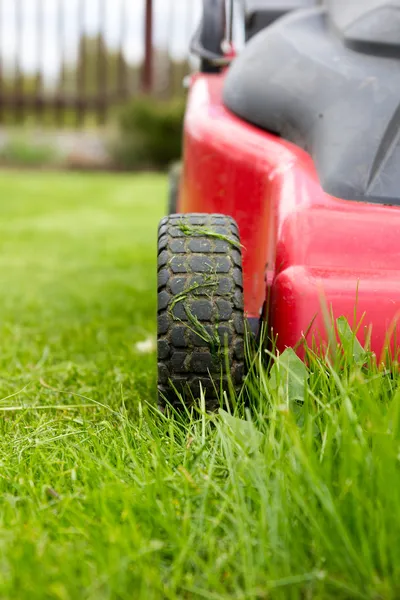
[[295, 495], [77, 293]]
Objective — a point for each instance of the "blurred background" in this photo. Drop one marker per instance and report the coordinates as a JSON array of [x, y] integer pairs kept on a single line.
[[83, 82]]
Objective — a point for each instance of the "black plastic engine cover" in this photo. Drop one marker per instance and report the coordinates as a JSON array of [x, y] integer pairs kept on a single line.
[[300, 80], [371, 26], [262, 13]]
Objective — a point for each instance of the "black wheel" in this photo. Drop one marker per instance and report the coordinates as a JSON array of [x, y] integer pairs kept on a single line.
[[174, 180], [200, 308]]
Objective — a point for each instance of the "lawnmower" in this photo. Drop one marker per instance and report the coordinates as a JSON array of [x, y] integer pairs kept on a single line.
[[287, 209]]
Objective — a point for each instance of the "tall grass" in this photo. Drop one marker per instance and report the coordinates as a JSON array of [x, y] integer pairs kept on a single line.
[[293, 494], [296, 493]]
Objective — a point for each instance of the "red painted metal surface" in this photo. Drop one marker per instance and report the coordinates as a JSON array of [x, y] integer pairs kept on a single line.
[[305, 251]]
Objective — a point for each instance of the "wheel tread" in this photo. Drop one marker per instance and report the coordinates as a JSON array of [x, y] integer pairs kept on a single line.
[[206, 271]]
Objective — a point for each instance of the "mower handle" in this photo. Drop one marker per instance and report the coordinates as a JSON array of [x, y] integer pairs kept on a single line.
[[207, 43]]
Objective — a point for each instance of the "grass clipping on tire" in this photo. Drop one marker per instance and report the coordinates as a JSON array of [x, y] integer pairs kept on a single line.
[[201, 344]]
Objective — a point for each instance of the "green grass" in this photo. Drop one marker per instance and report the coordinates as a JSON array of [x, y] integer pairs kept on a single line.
[[295, 496], [26, 154]]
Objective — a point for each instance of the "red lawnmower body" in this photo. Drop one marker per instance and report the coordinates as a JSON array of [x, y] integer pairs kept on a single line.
[[305, 253]]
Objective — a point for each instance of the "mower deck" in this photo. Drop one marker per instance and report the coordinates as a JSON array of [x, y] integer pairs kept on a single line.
[[305, 252]]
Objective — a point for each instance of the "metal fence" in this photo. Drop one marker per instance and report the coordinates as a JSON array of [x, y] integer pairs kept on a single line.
[[70, 60]]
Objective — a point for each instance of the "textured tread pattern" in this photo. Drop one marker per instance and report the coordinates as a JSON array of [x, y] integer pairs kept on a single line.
[[200, 307]]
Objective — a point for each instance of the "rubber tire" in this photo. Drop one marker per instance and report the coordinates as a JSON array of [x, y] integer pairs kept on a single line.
[[174, 180], [185, 359]]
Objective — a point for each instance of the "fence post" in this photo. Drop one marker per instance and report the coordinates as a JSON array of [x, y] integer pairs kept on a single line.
[[147, 73]]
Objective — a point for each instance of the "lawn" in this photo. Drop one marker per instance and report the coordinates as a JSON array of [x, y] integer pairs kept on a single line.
[[296, 495]]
